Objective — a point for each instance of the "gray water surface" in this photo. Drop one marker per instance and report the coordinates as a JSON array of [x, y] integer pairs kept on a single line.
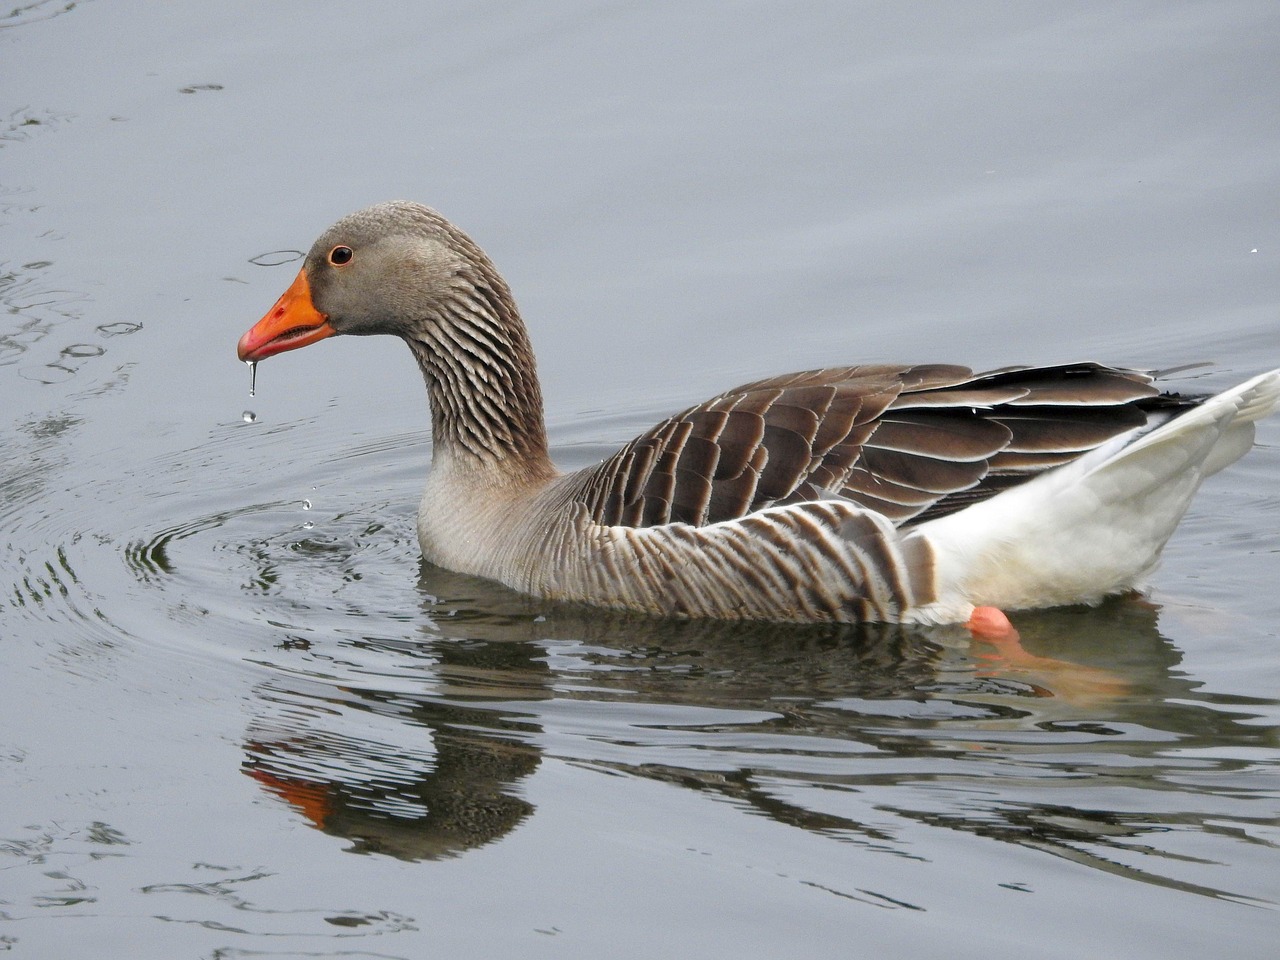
[[240, 718]]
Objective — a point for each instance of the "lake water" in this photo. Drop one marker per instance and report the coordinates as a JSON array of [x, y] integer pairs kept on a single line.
[[238, 717]]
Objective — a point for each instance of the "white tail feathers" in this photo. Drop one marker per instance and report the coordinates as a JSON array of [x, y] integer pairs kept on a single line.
[[1097, 526], [1224, 422]]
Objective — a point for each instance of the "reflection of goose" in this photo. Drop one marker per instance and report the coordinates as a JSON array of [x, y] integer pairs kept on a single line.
[[407, 777], [427, 743], [906, 493]]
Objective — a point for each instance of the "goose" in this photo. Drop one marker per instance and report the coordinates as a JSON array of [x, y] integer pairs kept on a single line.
[[915, 493]]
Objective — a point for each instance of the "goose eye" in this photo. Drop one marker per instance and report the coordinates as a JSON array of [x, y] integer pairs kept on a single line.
[[340, 254]]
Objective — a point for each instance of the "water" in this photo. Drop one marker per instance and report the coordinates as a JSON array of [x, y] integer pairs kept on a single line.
[[232, 727]]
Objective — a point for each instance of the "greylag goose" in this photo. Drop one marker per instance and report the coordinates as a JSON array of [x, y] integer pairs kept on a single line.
[[917, 493]]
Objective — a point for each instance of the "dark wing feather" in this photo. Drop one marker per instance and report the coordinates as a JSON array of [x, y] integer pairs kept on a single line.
[[911, 442]]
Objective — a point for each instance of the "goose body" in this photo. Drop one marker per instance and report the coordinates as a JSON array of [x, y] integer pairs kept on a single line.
[[890, 493]]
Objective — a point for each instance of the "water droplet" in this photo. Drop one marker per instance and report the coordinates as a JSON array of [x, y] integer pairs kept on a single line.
[[306, 504], [248, 416], [253, 375], [308, 525]]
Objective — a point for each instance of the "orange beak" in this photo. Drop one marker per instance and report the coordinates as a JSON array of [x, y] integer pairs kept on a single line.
[[293, 322]]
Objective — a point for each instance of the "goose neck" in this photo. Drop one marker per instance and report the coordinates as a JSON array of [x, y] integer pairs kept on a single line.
[[486, 402]]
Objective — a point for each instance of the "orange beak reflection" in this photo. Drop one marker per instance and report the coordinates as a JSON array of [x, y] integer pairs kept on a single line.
[[293, 322]]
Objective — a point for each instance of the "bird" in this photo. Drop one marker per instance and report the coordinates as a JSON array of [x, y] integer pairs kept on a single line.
[[917, 493]]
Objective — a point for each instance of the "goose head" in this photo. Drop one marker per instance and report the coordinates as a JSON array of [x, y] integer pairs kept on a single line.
[[402, 269], [395, 268]]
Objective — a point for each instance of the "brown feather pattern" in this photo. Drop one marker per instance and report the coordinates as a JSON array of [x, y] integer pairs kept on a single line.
[[911, 442]]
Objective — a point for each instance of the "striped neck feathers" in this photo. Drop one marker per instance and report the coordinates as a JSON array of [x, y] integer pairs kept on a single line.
[[486, 403]]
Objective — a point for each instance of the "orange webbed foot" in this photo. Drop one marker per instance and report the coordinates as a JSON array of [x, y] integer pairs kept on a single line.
[[1071, 681], [990, 623]]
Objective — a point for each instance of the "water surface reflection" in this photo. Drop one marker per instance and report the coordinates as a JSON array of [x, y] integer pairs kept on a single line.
[[1086, 743]]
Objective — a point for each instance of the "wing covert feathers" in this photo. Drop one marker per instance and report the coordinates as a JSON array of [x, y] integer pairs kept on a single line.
[[910, 442]]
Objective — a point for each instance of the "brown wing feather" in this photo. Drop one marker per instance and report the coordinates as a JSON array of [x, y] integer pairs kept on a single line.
[[911, 442]]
